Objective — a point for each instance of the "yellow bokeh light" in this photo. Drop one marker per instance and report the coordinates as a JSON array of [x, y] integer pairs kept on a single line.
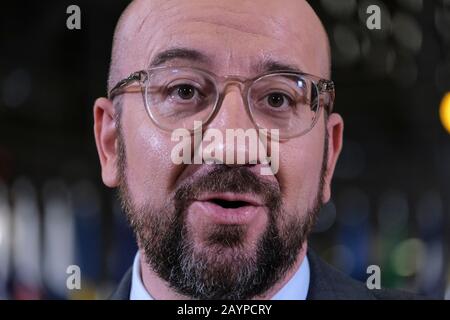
[[444, 112]]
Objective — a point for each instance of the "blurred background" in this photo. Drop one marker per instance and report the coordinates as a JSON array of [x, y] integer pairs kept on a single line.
[[390, 205]]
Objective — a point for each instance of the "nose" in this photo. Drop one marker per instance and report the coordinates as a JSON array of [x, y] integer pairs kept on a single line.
[[231, 112], [231, 138]]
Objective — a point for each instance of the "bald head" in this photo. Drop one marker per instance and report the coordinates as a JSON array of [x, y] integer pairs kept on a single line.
[[235, 34]]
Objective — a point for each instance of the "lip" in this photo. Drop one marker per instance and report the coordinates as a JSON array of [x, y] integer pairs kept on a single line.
[[205, 207], [230, 196]]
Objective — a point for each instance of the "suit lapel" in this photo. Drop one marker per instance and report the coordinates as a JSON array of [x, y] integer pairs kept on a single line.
[[123, 290], [328, 283]]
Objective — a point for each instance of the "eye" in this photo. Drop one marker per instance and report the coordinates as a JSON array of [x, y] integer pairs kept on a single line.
[[184, 91], [278, 100]]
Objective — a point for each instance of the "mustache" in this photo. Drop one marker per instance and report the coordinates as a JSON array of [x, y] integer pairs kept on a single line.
[[236, 179]]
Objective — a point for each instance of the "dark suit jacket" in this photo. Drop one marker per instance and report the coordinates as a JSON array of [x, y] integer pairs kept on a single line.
[[326, 283]]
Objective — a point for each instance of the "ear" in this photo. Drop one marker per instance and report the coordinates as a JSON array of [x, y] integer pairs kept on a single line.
[[335, 128], [106, 140]]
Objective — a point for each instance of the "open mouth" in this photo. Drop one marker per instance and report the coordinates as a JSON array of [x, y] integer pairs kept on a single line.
[[230, 204], [231, 200], [228, 208]]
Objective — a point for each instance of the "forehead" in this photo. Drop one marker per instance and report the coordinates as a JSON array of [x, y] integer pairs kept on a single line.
[[234, 35]]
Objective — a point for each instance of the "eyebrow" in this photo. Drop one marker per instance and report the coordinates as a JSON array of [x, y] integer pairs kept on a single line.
[[270, 65], [178, 53]]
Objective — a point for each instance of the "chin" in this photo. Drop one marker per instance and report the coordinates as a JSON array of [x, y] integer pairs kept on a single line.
[[230, 242]]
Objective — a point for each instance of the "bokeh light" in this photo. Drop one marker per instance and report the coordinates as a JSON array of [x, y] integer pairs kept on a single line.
[[444, 112], [407, 32], [412, 5], [408, 257], [339, 9]]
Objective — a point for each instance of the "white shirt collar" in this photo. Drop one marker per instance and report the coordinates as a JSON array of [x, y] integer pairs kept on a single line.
[[295, 289], [138, 291]]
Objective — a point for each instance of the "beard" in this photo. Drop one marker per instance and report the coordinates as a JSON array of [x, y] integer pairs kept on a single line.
[[226, 266]]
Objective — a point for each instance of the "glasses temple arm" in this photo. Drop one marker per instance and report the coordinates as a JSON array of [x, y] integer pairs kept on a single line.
[[327, 86], [122, 84]]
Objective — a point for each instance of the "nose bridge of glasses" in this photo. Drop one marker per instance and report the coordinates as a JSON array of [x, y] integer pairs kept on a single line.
[[225, 87], [226, 82]]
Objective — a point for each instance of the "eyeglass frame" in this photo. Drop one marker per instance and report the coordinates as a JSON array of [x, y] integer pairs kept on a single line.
[[322, 86]]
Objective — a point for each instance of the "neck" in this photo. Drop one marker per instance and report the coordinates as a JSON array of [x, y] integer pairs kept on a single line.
[[160, 290]]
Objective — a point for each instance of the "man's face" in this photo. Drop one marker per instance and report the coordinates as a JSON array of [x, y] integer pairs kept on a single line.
[[177, 211]]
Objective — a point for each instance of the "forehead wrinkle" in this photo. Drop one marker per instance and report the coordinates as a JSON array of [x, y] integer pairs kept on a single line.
[[216, 18], [161, 9], [218, 12], [254, 29], [234, 28]]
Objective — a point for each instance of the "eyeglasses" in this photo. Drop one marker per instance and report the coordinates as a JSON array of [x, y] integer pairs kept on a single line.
[[175, 97]]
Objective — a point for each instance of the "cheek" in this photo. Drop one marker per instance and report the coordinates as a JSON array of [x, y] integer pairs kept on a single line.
[[300, 167], [148, 159]]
